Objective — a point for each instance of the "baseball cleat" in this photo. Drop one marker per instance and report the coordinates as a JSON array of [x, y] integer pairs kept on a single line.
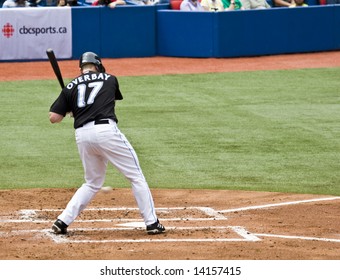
[[59, 227], [155, 228]]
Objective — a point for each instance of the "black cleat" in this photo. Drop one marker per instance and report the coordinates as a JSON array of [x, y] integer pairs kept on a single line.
[[155, 228], [59, 227]]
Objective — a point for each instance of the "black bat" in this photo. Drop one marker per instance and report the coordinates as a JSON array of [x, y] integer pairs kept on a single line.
[[55, 66]]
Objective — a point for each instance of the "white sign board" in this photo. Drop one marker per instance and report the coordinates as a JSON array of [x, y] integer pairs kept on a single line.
[[26, 33]]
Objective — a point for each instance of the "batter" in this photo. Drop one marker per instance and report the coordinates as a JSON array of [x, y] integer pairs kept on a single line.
[[91, 99]]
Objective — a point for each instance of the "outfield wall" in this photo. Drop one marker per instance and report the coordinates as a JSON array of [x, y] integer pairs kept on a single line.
[[145, 31]]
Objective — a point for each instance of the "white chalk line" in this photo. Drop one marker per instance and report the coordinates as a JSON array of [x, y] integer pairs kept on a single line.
[[21, 231], [207, 210], [297, 237], [278, 204], [27, 213], [154, 240], [38, 221]]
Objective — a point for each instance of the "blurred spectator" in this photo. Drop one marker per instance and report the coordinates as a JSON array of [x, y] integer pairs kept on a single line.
[[15, 4], [72, 2], [289, 3], [62, 3], [283, 3], [332, 2], [175, 4], [212, 5], [43, 3], [109, 3], [191, 5], [33, 3], [230, 5], [255, 4], [142, 2], [48, 3], [298, 3]]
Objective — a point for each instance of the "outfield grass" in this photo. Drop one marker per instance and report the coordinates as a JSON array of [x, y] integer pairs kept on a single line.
[[263, 130]]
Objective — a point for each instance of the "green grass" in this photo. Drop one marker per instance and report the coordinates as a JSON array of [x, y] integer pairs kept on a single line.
[[264, 131]]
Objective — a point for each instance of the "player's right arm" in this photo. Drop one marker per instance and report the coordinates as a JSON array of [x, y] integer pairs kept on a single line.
[[55, 117], [58, 109]]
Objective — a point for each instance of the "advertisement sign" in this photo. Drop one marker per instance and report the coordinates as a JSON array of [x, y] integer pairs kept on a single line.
[[26, 33]]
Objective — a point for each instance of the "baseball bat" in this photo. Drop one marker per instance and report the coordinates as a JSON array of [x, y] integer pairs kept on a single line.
[[55, 66]]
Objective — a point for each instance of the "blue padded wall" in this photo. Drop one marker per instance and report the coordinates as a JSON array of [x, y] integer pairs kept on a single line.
[[335, 28], [128, 31], [125, 31], [275, 31], [185, 33], [86, 35], [248, 33]]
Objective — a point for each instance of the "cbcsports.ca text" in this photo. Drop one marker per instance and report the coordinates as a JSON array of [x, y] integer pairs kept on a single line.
[[42, 30]]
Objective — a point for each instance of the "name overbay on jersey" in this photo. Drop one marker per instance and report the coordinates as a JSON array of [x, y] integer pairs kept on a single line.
[[88, 77]]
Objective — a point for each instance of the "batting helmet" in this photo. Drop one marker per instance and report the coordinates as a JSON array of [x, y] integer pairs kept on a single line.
[[90, 57]]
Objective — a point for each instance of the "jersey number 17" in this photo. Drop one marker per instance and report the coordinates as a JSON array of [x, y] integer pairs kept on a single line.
[[95, 88]]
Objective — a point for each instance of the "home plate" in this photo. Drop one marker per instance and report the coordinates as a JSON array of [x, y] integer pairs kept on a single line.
[[133, 224]]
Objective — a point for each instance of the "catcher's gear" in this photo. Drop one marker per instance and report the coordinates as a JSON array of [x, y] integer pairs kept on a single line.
[[90, 57]]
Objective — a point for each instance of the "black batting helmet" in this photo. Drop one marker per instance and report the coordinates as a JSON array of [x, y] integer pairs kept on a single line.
[[90, 57]]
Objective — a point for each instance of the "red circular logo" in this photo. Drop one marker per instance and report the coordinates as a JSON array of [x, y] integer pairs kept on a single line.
[[8, 30]]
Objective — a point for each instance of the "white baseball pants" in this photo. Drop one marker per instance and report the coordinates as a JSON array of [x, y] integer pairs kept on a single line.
[[98, 145]]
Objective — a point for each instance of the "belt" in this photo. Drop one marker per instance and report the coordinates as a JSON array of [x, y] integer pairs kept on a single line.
[[97, 122], [101, 122]]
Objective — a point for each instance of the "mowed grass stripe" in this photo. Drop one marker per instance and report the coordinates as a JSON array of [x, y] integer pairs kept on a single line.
[[265, 130]]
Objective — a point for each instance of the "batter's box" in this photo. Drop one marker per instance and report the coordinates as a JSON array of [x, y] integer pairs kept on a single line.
[[103, 225]]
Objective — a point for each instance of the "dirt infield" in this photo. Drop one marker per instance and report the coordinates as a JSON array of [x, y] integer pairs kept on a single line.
[[201, 225], [168, 65]]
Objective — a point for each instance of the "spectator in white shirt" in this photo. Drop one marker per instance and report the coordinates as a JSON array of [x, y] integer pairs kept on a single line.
[[15, 4], [212, 5], [191, 5], [255, 4]]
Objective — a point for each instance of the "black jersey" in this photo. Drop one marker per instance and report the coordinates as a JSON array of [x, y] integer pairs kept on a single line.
[[89, 97]]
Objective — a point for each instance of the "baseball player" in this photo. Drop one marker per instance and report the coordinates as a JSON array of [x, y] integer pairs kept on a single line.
[[91, 99]]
